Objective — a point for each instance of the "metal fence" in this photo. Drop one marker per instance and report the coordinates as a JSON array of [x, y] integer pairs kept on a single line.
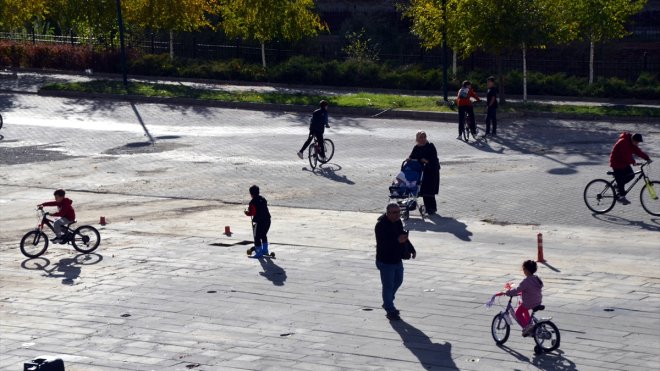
[[628, 62]]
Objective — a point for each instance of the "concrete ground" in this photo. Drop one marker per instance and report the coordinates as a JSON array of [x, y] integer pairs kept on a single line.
[[167, 291]]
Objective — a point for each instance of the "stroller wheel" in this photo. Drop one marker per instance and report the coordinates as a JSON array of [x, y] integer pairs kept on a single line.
[[422, 210], [405, 214]]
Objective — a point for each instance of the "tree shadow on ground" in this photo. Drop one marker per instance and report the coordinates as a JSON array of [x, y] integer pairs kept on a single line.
[[329, 171], [653, 226], [437, 223], [429, 354], [545, 361], [68, 269], [273, 272], [550, 138]]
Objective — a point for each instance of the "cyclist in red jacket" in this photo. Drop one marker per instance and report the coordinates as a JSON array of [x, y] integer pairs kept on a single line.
[[621, 158], [64, 211]]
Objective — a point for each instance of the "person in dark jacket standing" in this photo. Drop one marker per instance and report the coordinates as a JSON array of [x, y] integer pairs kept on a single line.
[[425, 152], [491, 101], [390, 240], [317, 126], [620, 160], [258, 210]]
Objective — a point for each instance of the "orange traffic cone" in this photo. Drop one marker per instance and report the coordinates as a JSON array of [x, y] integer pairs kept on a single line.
[[539, 248]]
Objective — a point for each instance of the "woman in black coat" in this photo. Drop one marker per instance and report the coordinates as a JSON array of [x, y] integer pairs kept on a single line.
[[425, 152]]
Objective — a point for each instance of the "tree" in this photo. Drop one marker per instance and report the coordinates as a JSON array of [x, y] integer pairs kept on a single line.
[[268, 20], [171, 15], [92, 19], [597, 21], [17, 14]]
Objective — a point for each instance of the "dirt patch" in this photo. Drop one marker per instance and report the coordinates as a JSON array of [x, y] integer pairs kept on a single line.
[[31, 154], [143, 147]]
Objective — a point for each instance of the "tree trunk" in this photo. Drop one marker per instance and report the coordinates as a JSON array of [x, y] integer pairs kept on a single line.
[[171, 44], [500, 78], [591, 62], [263, 55], [524, 54], [454, 58]]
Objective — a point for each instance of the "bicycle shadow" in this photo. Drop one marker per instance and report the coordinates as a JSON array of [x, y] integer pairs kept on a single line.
[[68, 269], [428, 353], [329, 171], [618, 220], [437, 223], [273, 272], [544, 361]]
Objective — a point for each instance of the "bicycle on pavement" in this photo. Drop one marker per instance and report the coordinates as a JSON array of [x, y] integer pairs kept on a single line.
[[545, 332], [314, 152], [600, 195], [84, 239]]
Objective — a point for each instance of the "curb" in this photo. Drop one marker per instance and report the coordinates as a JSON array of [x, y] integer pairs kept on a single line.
[[337, 111]]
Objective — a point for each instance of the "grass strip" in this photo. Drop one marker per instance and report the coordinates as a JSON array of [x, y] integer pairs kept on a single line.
[[360, 100]]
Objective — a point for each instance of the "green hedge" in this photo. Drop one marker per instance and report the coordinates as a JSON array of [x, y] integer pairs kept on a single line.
[[315, 71]]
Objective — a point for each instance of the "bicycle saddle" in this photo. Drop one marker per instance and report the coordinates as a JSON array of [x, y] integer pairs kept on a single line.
[[610, 173], [538, 308]]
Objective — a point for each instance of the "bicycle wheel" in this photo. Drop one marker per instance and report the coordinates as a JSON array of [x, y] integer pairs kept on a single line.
[[34, 244], [313, 158], [650, 204], [0, 121], [546, 336], [86, 239], [466, 132], [500, 329], [599, 196], [329, 148]]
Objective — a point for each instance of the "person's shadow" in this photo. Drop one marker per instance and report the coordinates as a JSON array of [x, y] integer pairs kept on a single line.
[[428, 353], [546, 361], [437, 223], [273, 272]]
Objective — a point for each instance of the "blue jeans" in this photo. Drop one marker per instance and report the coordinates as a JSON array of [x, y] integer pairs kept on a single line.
[[391, 276]]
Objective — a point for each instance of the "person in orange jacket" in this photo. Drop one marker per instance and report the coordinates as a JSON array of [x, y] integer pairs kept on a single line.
[[464, 103]]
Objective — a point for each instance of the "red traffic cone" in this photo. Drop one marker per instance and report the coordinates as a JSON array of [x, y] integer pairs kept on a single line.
[[227, 231], [539, 248], [102, 221]]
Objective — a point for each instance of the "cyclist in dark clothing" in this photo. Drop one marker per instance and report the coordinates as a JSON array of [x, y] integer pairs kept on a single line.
[[258, 210], [317, 126]]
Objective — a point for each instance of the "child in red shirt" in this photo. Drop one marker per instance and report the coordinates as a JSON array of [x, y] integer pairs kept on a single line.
[[64, 211], [464, 102]]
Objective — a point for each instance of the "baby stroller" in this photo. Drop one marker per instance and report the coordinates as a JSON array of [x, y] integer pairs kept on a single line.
[[406, 187]]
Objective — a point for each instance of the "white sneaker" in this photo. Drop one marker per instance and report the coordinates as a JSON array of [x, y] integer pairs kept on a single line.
[[459, 137], [300, 155]]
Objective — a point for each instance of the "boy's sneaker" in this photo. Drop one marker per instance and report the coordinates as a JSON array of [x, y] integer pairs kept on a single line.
[[56, 240], [300, 155], [623, 200]]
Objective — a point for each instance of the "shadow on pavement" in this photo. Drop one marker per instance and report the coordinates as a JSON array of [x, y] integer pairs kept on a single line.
[[654, 226], [429, 354], [329, 171], [547, 361], [273, 272], [437, 223], [69, 268]]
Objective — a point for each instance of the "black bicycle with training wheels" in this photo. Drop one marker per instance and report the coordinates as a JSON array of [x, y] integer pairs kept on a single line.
[[314, 152], [600, 195], [84, 239]]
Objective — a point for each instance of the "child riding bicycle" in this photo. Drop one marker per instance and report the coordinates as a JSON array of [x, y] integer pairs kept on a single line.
[[465, 107], [64, 210], [530, 289], [317, 126]]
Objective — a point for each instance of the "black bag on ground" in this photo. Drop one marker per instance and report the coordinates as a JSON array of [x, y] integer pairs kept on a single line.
[[44, 363]]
